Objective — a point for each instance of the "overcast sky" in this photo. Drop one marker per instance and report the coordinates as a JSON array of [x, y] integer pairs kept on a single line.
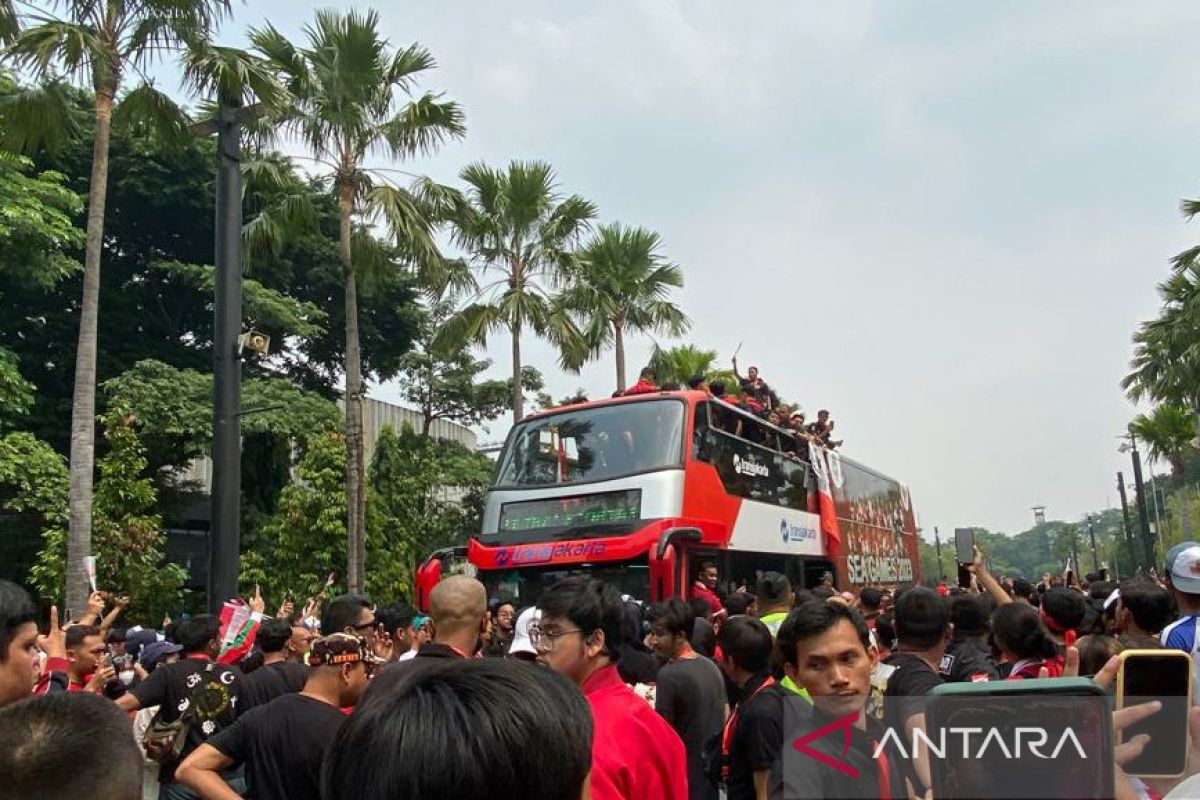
[[941, 220]]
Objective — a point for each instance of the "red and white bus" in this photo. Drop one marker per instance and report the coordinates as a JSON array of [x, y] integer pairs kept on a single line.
[[640, 490]]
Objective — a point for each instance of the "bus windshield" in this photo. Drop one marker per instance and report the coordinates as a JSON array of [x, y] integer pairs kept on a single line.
[[593, 444], [523, 586]]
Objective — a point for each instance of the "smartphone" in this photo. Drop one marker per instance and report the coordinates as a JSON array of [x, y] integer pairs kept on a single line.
[[1020, 740], [1166, 676], [964, 545], [964, 577]]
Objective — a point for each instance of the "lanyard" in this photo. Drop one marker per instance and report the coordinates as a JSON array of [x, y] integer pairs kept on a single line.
[[731, 724], [885, 780]]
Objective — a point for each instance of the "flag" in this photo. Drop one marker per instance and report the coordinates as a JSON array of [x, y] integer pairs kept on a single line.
[[825, 504], [238, 630]]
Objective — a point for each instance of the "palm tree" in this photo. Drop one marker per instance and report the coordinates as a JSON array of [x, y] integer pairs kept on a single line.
[[99, 44], [1169, 432], [1166, 360], [352, 95], [515, 224], [620, 284]]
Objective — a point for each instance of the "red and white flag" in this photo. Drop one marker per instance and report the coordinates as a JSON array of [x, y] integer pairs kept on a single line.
[[825, 505]]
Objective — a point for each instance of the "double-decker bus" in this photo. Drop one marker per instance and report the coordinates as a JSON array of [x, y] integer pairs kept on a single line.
[[640, 490]]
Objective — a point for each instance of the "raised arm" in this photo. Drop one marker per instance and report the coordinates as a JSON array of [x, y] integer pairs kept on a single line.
[[986, 579]]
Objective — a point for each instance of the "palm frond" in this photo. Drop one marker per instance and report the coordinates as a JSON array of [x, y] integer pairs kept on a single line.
[[52, 45], [423, 125], [146, 107], [40, 116]]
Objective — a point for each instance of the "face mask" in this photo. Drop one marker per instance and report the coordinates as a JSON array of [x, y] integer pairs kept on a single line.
[[126, 677]]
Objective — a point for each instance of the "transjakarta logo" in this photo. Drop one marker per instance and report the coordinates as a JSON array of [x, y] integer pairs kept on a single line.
[[539, 553], [1022, 740], [795, 533], [748, 466]]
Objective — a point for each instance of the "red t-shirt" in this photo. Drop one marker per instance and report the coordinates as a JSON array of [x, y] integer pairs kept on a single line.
[[636, 754], [708, 595], [642, 387]]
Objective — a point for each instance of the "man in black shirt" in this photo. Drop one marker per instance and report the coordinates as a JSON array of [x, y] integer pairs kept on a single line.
[[922, 632], [205, 693], [753, 736], [458, 615], [282, 672], [283, 742], [827, 650], [968, 656], [690, 691]]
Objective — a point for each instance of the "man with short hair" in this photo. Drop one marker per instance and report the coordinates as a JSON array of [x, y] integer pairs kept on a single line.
[[705, 587], [690, 691], [200, 690], [636, 755], [774, 600], [698, 383], [68, 745], [282, 671], [353, 614], [870, 603], [968, 657], [827, 650], [283, 742], [1143, 611], [646, 383], [922, 632], [19, 648], [396, 621], [753, 736], [755, 388], [458, 616], [86, 652]]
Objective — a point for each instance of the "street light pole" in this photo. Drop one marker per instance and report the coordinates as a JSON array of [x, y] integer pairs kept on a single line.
[[938, 544], [1125, 522], [1143, 512], [1092, 535], [225, 534]]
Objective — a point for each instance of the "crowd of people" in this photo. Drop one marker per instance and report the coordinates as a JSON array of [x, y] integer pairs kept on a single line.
[[587, 693], [756, 397]]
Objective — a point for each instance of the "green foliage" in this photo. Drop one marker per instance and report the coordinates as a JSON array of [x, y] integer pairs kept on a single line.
[[175, 408], [305, 539], [679, 364], [445, 384], [37, 229], [424, 494], [619, 284], [127, 532], [33, 500], [1169, 432]]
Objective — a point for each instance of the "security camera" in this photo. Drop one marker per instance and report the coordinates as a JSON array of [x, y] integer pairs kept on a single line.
[[253, 340]]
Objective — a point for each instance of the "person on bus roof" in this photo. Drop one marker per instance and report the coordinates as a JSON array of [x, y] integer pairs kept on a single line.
[[646, 383], [756, 390]]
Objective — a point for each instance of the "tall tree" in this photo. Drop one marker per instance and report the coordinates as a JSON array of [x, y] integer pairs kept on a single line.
[[352, 95], [515, 224], [99, 44], [1166, 358], [1169, 432], [681, 363], [621, 284]]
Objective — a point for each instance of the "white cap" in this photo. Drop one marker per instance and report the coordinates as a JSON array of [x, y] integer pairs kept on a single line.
[[1183, 561], [521, 642]]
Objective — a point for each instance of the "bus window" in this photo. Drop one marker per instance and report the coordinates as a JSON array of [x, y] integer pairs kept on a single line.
[[524, 586], [591, 444]]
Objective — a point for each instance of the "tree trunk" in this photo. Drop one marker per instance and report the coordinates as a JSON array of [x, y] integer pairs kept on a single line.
[[356, 540], [83, 406], [518, 393], [619, 348]]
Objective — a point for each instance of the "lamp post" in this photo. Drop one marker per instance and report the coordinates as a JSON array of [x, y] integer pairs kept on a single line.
[[1126, 525], [1092, 535], [1143, 512], [937, 542]]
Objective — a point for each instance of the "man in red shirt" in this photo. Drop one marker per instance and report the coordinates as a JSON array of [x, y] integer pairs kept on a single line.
[[636, 754], [705, 587], [646, 383], [86, 652]]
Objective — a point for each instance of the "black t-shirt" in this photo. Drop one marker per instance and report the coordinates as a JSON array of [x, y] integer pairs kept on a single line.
[[432, 655], [282, 744], [690, 695], [968, 660], [806, 777], [271, 681], [907, 687], [209, 692], [757, 736]]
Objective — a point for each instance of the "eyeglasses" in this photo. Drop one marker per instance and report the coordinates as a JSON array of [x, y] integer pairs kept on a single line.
[[543, 640]]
